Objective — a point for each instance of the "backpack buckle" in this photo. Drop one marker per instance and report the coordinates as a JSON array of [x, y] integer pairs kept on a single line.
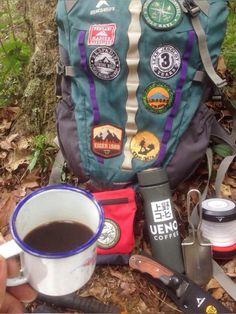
[[192, 8]]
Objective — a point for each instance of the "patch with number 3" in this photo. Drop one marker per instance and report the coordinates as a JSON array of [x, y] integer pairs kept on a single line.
[[165, 61]]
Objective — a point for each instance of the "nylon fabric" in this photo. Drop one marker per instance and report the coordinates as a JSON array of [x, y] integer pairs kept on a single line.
[[115, 56]]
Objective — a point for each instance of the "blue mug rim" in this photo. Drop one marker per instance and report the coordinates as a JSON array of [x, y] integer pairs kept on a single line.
[[26, 248]]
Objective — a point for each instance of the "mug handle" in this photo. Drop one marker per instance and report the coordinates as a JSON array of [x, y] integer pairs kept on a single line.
[[7, 250]]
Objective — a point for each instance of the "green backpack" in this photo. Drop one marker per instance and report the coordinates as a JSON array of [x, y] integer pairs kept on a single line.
[[133, 78]]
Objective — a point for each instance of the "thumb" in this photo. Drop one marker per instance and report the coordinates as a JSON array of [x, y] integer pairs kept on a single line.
[[3, 277]]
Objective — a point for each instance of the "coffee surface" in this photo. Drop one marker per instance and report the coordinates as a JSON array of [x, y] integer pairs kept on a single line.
[[58, 236]]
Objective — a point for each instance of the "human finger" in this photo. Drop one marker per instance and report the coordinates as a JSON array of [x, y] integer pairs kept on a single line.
[[3, 276], [11, 305], [24, 293]]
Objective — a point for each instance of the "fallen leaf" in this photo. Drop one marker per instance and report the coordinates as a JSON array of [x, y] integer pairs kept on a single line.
[[230, 181], [233, 165], [7, 205], [7, 144], [225, 190], [116, 274], [230, 268], [15, 159], [142, 306], [221, 66], [24, 143], [212, 284], [3, 155], [5, 125], [218, 293], [233, 194], [8, 113], [128, 288]]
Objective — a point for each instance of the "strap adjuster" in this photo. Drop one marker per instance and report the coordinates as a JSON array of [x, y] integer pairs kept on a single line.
[[60, 69], [65, 70], [192, 8]]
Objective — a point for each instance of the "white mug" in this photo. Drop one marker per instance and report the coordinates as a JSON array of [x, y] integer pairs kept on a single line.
[[54, 273]]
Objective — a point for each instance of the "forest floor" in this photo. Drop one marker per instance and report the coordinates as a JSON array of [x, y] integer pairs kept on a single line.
[[116, 285]]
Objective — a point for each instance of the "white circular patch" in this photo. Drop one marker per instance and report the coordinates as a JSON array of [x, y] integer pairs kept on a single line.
[[110, 234], [165, 61], [104, 63]]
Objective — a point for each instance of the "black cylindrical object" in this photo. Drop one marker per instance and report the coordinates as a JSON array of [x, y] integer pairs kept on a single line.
[[85, 304], [160, 218]]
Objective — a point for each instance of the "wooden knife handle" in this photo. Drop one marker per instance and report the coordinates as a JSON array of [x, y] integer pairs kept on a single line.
[[149, 266]]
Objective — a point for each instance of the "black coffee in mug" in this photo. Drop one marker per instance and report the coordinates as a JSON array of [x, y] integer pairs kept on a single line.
[[58, 236]]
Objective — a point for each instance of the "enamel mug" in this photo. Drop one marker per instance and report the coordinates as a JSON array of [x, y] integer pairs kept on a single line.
[[59, 273]]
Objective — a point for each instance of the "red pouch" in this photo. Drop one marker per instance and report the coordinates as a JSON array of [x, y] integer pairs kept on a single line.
[[117, 239]]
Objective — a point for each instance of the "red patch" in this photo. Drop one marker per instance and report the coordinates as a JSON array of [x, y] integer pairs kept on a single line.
[[102, 35], [107, 140]]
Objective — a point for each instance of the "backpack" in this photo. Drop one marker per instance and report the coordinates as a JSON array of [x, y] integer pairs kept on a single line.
[[134, 76]]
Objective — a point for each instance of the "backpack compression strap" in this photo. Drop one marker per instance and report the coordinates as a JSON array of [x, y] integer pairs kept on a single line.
[[193, 8]]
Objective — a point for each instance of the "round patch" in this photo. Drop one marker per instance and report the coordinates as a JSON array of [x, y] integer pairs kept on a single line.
[[158, 97], [104, 63], [110, 234], [145, 146], [162, 14], [165, 61], [211, 309]]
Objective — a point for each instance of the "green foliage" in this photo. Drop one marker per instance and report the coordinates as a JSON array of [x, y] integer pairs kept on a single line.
[[14, 50], [41, 154], [229, 45], [223, 150]]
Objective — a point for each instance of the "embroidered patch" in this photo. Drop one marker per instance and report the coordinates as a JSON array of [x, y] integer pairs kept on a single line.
[[165, 61], [145, 146], [158, 97], [102, 35], [211, 309], [104, 63], [110, 234], [101, 7], [107, 140], [162, 14]]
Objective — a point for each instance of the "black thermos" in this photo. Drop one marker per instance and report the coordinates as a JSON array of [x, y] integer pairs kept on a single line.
[[160, 218]]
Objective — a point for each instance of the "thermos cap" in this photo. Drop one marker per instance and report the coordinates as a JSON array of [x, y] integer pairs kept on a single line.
[[152, 176]]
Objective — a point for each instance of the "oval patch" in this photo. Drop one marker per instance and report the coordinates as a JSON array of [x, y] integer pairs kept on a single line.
[[110, 234], [162, 14], [158, 97], [165, 61], [104, 63], [145, 146]]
